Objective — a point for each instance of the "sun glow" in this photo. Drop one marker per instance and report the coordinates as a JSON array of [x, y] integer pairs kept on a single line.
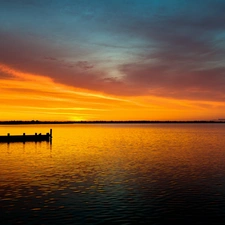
[[26, 96]]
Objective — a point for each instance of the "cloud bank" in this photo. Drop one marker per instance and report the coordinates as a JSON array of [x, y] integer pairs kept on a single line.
[[170, 49]]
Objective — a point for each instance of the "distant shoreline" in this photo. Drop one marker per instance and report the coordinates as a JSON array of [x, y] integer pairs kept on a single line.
[[19, 122]]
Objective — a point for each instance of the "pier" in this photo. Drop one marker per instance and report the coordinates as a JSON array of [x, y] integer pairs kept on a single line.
[[27, 138]]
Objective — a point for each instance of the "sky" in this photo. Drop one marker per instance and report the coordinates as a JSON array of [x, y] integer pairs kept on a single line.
[[112, 60]]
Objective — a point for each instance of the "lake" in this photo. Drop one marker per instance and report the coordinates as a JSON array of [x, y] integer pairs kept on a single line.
[[114, 174]]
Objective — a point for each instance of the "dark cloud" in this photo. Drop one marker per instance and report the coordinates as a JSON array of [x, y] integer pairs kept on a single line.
[[50, 58], [33, 56], [188, 59], [84, 65], [206, 84]]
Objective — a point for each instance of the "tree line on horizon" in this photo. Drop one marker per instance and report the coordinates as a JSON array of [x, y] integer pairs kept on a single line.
[[110, 121]]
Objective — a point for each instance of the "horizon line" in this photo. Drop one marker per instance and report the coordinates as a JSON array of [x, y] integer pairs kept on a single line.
[[4, 122]]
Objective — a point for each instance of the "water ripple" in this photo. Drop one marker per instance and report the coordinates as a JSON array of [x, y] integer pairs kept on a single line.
[[121, 175]]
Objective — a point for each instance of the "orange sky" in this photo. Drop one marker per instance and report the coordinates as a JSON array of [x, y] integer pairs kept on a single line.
[[26, 96]]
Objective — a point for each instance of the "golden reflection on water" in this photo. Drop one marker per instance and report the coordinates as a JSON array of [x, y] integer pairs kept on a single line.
[[107, 150], [110, 167]]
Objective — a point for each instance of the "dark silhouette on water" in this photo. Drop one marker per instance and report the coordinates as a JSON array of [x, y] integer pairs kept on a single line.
[[27, 138], [18, 122]]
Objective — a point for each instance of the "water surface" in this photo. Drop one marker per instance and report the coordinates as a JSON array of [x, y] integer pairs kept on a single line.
[[114, 174]]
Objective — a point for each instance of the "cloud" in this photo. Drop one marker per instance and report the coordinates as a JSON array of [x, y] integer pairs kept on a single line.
[[173, 48], [84, 65], [50, 58], [188, 59], [32, 55], [163, 81]]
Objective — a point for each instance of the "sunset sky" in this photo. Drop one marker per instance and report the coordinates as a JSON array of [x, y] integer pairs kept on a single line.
[[112, 60]]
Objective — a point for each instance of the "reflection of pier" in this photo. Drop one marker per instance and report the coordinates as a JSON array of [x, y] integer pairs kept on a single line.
[[27, 138]]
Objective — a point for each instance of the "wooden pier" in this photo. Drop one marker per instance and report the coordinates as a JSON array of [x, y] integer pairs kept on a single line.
[[27, 138]]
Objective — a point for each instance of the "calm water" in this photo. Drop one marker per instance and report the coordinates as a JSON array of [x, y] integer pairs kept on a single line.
[[114, 174]]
